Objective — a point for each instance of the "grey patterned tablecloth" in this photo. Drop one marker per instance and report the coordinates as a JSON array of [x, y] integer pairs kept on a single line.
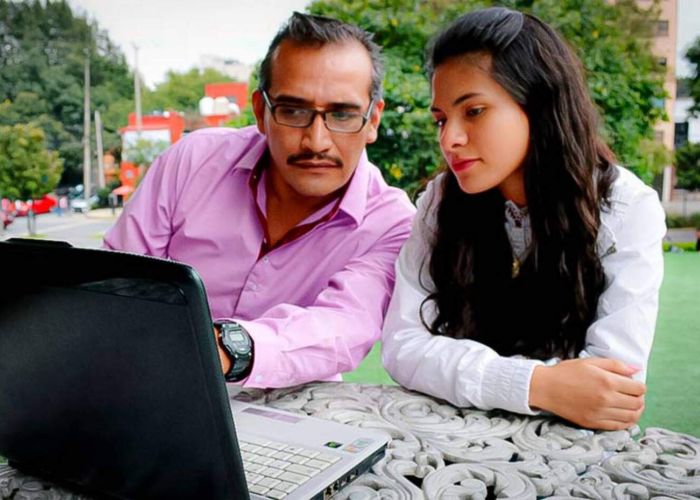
[[438, 451]]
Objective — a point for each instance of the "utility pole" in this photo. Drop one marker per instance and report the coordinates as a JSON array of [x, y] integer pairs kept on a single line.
[[86, 131], [137, 91], [100, 151]]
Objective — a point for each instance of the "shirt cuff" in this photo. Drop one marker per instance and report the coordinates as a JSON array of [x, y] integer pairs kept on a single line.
[[506, 384]]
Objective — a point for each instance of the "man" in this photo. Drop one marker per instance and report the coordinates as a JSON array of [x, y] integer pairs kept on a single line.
[[293, 231]]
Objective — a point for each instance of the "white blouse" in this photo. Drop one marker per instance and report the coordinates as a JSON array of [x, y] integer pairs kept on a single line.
[[469, 374]]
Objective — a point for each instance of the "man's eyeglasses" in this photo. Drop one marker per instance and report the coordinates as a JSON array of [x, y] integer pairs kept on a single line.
[[343, 121]]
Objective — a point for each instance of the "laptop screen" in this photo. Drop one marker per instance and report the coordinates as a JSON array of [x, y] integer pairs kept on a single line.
[[109, 377]]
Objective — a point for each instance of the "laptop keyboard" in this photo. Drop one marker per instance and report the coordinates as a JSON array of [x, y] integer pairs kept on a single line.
[[275, 469]]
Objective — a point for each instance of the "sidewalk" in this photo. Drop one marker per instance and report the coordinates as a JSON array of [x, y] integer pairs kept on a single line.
[[104, 213]]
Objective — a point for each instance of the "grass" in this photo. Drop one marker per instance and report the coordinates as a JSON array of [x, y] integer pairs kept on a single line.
[[673, 396]]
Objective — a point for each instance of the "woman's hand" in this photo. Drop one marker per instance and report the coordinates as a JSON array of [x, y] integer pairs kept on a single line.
[[597, 393]]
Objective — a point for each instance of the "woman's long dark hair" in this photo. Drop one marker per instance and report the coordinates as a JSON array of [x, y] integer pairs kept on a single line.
[[568, 172]]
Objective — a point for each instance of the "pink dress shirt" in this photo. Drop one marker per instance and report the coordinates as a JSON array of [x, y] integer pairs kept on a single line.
[[313, 306]]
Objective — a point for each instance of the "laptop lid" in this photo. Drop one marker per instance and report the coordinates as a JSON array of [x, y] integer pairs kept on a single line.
[[69, 408]]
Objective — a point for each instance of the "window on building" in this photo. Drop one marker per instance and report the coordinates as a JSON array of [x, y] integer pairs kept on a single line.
[[658, 102], [662, 61], [661, 28], [659, 135], [680, 138]]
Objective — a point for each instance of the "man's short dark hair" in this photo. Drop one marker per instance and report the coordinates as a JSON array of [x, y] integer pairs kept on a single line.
[[306, 29]]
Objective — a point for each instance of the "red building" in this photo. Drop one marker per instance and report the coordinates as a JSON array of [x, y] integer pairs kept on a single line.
[[222, 102], [166, 128]]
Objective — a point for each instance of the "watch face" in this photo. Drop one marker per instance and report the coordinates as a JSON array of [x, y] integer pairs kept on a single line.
[[236, 336]]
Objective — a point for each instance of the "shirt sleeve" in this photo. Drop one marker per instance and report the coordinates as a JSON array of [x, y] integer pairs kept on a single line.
[[294, 345], [628, 307], [464, 372], [144, 227]]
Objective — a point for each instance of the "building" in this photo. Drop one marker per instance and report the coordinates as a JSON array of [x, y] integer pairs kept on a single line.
[[159, 129], [664, 47], [222, 102]]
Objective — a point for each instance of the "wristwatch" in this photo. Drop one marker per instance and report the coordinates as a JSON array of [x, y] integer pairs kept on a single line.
[[237, 343]]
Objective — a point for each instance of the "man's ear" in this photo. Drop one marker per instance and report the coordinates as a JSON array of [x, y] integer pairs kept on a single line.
[[259, 110], [374, 119]]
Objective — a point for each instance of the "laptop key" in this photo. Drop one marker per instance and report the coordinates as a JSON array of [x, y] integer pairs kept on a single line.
[[253, 467], [276, 494], [269, 482], [262, 460], [272, 472], [282, 455], [257, 489], [293, 477], [280, 464], [253, 478], [308, 453], [276, 445], [287, 487], [267, 452], [303, 469], [317, 464], [293, 449], [298, 459], [327, 457]]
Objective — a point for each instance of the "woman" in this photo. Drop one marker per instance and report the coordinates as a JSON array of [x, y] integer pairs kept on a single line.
[[531, 279]]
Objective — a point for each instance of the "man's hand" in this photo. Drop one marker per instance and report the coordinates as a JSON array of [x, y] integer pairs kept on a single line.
[[597, 393], [223, 356]]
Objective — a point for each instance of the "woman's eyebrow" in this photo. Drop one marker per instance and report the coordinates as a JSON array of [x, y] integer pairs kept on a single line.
[[459, 100]]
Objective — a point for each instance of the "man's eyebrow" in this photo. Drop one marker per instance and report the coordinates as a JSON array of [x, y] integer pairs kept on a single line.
[[459, 100], [290, 99]]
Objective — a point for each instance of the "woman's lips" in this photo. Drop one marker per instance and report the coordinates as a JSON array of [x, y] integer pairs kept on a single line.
[[462, 165]]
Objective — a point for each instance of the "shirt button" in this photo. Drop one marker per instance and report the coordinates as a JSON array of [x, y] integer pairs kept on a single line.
[[265, 259], [258, 378]]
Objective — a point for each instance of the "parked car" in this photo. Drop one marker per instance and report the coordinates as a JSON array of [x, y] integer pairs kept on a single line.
[[40, 206], [81, 205]]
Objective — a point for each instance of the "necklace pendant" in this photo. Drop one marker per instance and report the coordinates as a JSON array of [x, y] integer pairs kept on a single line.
[[515, 268]]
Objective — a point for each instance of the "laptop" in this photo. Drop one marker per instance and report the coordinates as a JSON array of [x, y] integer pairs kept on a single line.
[[110, 385]]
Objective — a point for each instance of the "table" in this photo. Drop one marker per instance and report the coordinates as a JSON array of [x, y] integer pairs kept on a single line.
[[439, 451]]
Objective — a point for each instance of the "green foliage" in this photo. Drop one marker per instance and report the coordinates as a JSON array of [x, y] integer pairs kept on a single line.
[[181, 91], [685, 246], [247, 117], [144, 152], [613, 41], [27, 169], [688, 167], [674, 220], [693, 56], [43, 46]]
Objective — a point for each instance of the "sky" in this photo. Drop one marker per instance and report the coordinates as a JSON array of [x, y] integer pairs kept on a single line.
[[175, 34]]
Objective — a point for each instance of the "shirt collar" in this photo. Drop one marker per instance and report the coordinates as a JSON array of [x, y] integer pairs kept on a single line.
[[354, 203]]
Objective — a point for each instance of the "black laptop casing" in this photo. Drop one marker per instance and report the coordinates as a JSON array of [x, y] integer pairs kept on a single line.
[[109, 375]]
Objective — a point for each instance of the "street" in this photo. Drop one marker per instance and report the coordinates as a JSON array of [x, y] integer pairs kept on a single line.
[[80, 230]]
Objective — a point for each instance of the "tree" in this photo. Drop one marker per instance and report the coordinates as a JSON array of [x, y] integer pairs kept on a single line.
[[144, 152], [613, 40], [182, 91], [28, 170], [43, 46], [688, 167], [693, 56]]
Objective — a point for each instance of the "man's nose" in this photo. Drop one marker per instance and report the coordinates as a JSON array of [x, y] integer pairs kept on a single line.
[[316, 137]]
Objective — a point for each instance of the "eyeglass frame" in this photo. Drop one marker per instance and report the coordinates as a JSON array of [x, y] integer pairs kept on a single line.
[[314, 112]]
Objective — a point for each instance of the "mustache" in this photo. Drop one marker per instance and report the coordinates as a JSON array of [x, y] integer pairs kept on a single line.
[[301, 157]]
